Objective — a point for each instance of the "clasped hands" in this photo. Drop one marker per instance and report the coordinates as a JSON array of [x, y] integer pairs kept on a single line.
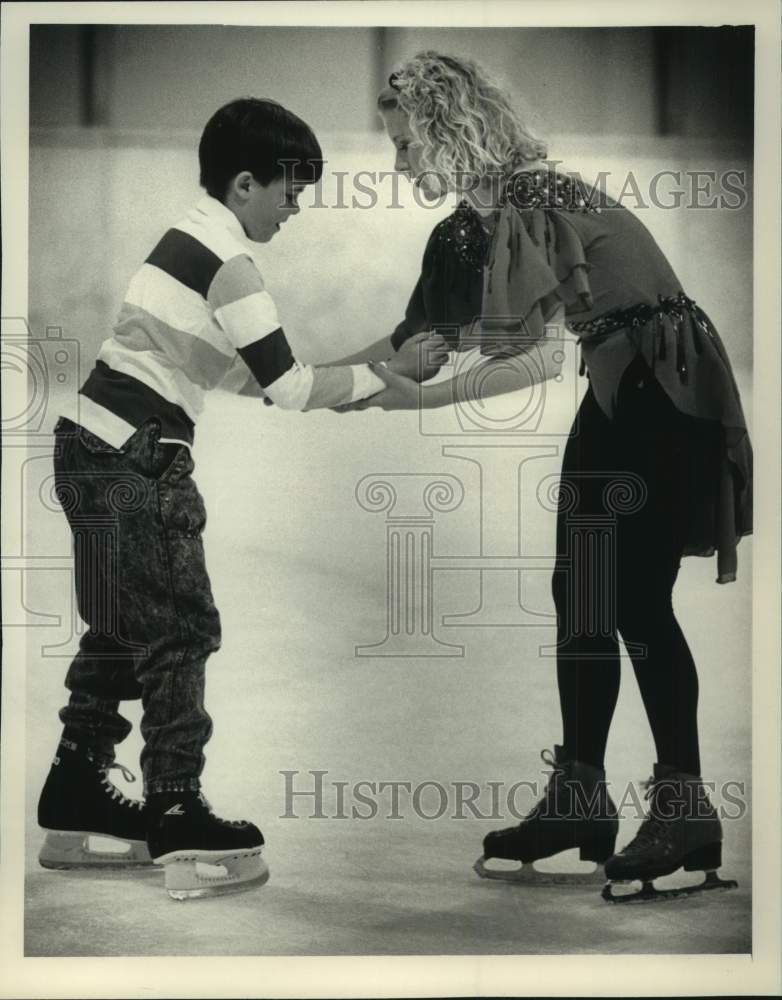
[[418, 359]]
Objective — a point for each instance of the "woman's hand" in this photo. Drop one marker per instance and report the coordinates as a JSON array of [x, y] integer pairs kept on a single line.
[[420, 357], [400, 393]]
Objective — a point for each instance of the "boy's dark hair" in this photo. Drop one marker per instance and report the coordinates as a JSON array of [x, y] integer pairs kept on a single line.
[[257, 135]]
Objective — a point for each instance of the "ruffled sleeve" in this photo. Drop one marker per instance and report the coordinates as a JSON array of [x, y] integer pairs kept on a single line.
[[536, 263], [448, 293]]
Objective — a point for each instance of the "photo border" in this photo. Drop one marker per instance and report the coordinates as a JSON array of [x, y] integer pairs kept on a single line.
[[543, 975]]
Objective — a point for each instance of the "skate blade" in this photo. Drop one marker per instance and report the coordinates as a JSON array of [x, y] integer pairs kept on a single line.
[[529, 875], [199, 876], [649, 894], [64, 851]]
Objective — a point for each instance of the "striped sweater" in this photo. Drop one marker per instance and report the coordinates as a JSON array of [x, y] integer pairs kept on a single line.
[[197, 316]]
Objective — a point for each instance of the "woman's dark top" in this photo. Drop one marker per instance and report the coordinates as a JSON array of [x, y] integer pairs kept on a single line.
[[557, 241]]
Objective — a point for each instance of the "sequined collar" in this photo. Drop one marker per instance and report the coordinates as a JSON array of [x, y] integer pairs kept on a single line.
[[546, 188], [464, 234]]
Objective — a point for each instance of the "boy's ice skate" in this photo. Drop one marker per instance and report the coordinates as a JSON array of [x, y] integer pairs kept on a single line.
[[576, 811], [78, 804], [681, 830], [203, 855]]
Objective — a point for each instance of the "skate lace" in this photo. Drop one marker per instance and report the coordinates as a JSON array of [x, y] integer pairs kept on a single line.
[[554, 774], [115, 792], [548, 757], [226, 822], [653, 829]]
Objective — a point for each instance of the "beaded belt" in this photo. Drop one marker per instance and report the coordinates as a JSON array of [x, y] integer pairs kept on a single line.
[[674, 306]]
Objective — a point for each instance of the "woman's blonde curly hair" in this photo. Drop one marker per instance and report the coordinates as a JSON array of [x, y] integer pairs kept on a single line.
[[465, 123]]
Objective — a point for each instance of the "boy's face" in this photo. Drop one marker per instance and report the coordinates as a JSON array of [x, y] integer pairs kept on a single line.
[[263, 210]]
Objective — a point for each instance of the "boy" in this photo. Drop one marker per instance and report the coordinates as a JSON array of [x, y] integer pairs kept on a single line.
[[196, 316]]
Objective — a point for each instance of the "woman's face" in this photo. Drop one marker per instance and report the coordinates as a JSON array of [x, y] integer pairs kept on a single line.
[[408, 154]]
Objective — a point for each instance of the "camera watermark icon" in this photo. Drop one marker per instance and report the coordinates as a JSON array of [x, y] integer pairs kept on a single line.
[[34, 371], [38, 375], [496, 349]]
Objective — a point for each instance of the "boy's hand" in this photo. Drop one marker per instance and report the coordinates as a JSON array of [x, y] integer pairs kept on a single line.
[[400, 394], [420, 357]]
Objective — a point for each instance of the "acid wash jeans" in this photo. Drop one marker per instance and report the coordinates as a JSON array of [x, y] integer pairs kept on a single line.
[[143, 591]]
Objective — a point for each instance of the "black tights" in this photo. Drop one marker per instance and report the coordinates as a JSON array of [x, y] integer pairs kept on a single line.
[[628, 488]]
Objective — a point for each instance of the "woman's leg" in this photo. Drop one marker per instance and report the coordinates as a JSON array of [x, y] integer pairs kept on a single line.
[[666, 450], [675, 455], [576, 810], [583, 582]]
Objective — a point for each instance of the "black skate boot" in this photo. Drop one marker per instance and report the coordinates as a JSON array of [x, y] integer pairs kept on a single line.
[[185, 836], [79, 802], [576, 811], [681, 830]]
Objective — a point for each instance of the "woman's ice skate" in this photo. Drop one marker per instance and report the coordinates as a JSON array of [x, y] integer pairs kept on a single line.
[[79, 804], [202, 854], [576, 811], [681, 830]]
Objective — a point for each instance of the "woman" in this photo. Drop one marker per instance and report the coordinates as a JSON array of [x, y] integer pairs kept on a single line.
[[661, 420]]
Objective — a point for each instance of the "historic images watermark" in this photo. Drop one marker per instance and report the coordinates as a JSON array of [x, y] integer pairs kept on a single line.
[[723, 189], [315, 794]]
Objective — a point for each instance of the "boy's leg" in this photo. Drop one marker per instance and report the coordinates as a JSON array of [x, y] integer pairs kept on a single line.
[[98, 683], [182, 626], [144, 516], [78, 800], [103, 671]]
